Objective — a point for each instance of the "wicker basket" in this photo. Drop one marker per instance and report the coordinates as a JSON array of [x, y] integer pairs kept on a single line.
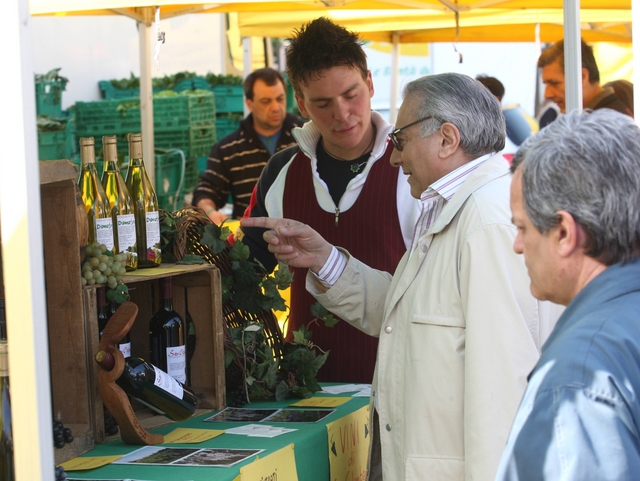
[[188, 221]]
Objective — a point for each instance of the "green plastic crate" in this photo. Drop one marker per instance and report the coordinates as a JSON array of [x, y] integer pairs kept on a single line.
[[194, 83], [108, 91], [51, 145], [229, 98], [169, 172], [49, 98], [172, 115], [191, 175], [195, 141], [225, 125]]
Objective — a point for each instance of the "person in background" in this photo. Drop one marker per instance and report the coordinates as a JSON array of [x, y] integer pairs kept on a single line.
[[575, 199], [519, 124], [338, 180], [459, 330], [236, 161], [624, 90], [594, 96]]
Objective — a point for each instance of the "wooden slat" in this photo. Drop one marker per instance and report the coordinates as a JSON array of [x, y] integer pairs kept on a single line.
[[57, 171]]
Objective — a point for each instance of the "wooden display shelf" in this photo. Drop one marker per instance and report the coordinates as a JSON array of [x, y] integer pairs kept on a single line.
[[72, 316], [200, 285]]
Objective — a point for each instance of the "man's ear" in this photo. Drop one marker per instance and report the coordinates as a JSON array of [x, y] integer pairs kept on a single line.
[[585, 77], [249, 104], [301, 106], [450, 140], [569, 234]]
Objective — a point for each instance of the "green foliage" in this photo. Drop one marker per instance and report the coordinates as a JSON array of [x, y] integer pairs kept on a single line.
[[47, 124], [52, 75], [319, 312], [250, 362]]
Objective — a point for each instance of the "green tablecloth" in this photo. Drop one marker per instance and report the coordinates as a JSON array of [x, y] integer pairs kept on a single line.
[[310, 446]]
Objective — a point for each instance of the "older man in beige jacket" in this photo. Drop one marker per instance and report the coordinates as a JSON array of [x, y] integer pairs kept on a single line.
[[459, 329]]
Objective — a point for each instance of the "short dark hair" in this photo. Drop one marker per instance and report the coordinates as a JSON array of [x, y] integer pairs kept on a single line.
[[556, 52], [493, 84], [320, 45], [268, 75], [624, 90]]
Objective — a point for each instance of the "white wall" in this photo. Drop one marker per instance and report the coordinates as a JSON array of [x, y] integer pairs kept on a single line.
[[514, 64], [89, 49]]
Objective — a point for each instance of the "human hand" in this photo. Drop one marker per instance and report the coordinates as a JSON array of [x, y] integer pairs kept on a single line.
[[216, 216], [292, 242]]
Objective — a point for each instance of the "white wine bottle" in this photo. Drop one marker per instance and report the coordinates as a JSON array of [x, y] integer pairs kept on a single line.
[[145, 204], [95, 201], [122, 213]]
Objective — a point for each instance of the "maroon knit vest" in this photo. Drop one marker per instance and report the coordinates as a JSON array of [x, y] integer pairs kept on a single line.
[[370, 231]]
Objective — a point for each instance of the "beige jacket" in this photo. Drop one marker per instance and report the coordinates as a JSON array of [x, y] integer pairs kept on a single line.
[[459, 333]]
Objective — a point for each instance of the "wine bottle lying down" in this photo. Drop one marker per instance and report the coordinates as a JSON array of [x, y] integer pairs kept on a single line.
[[152, 387]]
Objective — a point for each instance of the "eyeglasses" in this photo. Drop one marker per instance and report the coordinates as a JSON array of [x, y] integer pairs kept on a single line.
[[393, 135]]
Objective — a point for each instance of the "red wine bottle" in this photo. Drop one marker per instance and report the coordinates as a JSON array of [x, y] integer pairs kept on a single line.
[[6, 436], [167, 336], [125, 343], [152, 387], [105, 311]]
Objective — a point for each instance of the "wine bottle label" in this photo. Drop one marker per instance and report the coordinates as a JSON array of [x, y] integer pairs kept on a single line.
[[104, 232], [125, 349], [126, 232], [153, 229], [167, 383], [177, 363]]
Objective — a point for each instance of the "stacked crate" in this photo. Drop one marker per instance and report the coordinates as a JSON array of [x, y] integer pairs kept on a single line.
[[181, 122], [54, 144]]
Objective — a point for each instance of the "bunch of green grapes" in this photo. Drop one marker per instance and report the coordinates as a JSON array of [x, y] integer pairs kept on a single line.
[[100, 266]]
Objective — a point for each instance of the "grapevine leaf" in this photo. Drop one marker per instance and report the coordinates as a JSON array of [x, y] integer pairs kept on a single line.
[[211, 238], [190, 259], [225, 232], [302, 335], [281, 391], [318, 310], [253, 327], [330, 321], [228, 357], [250, 380], [239, 251], [283, 276]]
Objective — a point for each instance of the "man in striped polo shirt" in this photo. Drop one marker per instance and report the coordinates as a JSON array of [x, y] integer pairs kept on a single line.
[[236, 161]]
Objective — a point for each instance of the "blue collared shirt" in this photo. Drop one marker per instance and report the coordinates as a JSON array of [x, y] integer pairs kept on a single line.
[[579, 416]]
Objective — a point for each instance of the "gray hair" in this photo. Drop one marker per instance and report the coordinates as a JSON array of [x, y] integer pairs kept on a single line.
[[587, 164], [465, 103]]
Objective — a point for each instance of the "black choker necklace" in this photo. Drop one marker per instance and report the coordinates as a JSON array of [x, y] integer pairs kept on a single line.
[[355, 167]]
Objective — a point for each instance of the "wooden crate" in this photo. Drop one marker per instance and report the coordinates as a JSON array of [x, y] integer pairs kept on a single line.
[[73, 323], [68, 354], [200, 284]]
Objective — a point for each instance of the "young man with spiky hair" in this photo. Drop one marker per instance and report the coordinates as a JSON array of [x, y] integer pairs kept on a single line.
[[339, 181]]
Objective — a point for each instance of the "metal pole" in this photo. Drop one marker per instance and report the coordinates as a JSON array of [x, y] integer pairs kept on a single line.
[[395, 62], [572, 56], [146, 90]]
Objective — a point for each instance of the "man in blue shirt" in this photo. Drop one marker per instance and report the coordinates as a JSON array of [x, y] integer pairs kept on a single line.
[[575, 199]]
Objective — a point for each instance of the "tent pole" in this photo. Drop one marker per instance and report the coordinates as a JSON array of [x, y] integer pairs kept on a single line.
[[395, 62], [146, 90], [247, 63], [572, 55], [635, 34], [22, 257]]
